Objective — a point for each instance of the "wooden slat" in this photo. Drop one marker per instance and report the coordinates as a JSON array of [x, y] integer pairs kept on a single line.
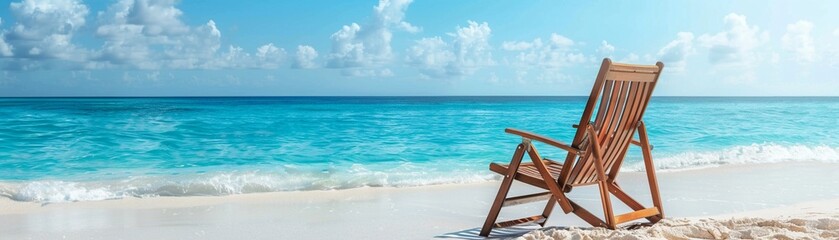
[[626, 217], [613, 147], [585, 163], [631, 76], [617, 151], [588, 174], [604, 102], [567, 172], [634, 67], [527, 172], [529, 198], [536, 219]]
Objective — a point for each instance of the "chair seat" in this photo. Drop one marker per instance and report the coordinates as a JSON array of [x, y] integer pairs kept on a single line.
[[528, 173]]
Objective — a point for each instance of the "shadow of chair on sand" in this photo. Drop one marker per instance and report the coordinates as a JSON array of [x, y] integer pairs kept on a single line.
[[521, 230], [498, 233]]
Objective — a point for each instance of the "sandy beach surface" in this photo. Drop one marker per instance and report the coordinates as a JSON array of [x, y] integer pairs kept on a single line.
[[768, 200]]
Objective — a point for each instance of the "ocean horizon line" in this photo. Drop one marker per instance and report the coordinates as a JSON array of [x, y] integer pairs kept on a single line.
[[403, 96]]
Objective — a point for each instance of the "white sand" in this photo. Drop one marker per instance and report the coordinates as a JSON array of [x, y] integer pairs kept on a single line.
[[775, 192], [810, 220]]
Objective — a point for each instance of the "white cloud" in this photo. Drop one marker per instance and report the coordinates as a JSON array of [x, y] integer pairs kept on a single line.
[[392, 12], [675, 53], [431, 55], [347, 51], [558, 52], [269, 56], [194, 49], [549, 57], [798, 40], [136, 34], [158, 17], [44, 30], [234, 57], [605, 49], [355, 45], [471, 47], [468, 51], [736, 46], [305, 57], [149, 34]]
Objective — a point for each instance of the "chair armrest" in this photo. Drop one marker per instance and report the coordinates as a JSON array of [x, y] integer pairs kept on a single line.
[[638, 143], [540, 138]]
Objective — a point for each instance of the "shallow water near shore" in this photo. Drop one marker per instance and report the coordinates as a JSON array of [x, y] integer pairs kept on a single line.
[[76, 149]]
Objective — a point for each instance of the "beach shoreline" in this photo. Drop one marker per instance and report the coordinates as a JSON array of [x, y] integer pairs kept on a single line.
[[447, 211]]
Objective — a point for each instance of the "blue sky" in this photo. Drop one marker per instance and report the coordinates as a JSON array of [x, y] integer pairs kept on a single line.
[[400, 47]]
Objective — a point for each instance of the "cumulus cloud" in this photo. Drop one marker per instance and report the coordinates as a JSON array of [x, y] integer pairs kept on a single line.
[[347, 51], [136, 31], [269, 56], [737, 45], [149, 34], [44, 30], [136, 34], [197, 48], [798, 40], [605, 49], [471, 45], [305, 57], [549, 57], [555, 53], [234, 57], [469, 50], [431, 55], [675, 53], [368, 45], [158, 17]]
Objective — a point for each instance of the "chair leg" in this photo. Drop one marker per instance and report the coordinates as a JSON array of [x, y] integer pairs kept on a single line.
[[503, 190], [549, 179], [549, 207], [605, 199], [646, 150], [586, 215], [601, 179]]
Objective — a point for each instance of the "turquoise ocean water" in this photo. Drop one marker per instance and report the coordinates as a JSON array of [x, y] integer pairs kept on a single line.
[[76, 149]]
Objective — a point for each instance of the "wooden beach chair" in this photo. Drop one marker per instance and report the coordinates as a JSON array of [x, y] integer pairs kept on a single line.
[[594, 156]]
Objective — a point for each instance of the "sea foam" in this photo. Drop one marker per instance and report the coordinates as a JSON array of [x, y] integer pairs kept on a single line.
[[750, 154], [293, 178]]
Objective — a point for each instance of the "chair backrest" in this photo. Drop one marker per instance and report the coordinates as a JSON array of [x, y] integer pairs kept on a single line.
[[620, 95]]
